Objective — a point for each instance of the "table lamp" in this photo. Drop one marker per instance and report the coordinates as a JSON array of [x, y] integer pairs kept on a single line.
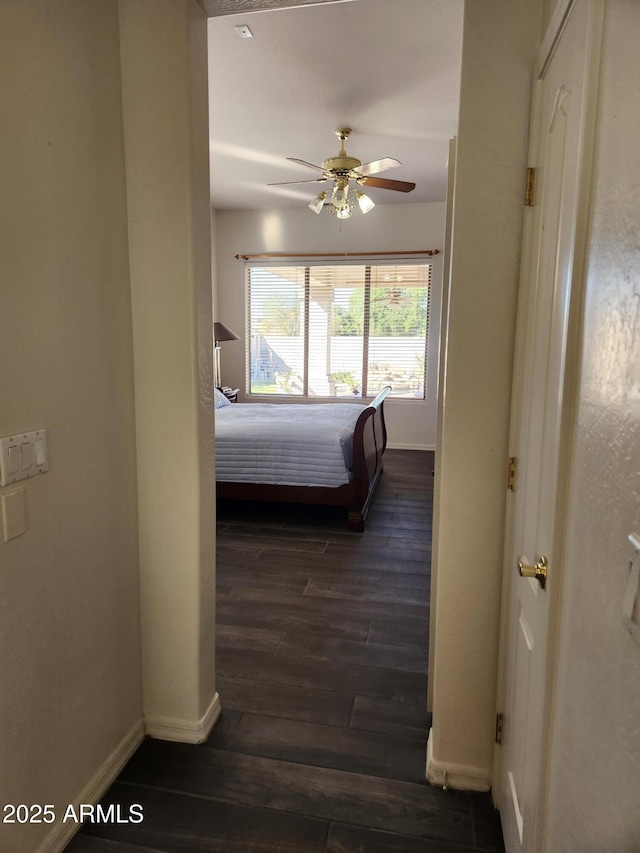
[[220, 333]]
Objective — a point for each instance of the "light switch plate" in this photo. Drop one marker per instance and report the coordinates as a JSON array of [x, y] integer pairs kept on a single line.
[[23, 455], [14, 514]]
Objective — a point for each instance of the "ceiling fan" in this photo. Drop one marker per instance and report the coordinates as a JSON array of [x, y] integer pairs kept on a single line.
[[343, 169]]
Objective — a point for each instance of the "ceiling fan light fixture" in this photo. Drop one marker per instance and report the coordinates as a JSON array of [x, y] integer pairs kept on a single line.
[[365, 203], [340, 197], [317, 204]]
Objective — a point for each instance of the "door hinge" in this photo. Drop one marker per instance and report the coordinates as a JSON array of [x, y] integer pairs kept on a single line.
[[499, 724], [512, 473], [530, 189]]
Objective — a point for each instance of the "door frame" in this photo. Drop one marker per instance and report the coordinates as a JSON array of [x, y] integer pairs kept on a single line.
[[441, 359], [531, 228]]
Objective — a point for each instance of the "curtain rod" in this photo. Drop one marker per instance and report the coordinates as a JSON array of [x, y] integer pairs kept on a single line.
[[336, 254]]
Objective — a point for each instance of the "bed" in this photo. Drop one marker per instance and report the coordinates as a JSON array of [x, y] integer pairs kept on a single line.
[[323, 453]]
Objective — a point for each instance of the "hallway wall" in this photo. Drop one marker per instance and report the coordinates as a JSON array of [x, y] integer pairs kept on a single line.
[[499, 48], [164, 78], [69, 607]]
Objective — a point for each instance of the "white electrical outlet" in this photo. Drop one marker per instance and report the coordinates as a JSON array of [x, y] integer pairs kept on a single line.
[[23, 455]]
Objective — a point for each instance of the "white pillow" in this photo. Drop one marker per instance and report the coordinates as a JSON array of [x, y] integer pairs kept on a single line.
[[220, 400]]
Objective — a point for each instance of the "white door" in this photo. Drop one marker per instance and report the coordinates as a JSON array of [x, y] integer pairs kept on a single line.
[[549, 307]]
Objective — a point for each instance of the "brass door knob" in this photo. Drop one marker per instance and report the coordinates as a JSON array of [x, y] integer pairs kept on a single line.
[[539, 571]]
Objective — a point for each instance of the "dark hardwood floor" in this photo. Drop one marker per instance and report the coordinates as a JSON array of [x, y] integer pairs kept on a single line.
[[321, 669]]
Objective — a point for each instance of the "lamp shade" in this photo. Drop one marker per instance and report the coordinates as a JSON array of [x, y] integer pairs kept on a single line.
[[365, 203], [317, 204], [221, 333]]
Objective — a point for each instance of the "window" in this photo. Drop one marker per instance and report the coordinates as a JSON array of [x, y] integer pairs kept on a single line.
[[338, 330]]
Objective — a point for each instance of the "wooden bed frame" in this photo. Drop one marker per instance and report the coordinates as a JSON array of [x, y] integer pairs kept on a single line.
[[369, 443]]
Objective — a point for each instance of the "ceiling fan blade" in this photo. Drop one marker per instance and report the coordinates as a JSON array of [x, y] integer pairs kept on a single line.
[[304, 163], [378, 166], [386, 184], [311, 181]]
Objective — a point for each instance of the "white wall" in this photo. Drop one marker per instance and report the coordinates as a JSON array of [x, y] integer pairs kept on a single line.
[[69, 606], [548, 7], [388, 228], [594, 800], [499, 48], [164, 73]]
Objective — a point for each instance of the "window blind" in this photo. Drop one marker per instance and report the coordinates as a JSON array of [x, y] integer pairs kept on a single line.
[[338, 330]]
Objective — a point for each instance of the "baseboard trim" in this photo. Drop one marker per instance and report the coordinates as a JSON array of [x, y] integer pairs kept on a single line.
[[443, 774], [62, 833], [392, 446], [184, 731]]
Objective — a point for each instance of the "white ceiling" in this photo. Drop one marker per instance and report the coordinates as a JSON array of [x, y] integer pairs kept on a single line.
[[389, 69]]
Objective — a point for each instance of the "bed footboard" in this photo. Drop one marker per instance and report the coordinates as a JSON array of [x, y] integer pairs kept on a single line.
[[369, 443]]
